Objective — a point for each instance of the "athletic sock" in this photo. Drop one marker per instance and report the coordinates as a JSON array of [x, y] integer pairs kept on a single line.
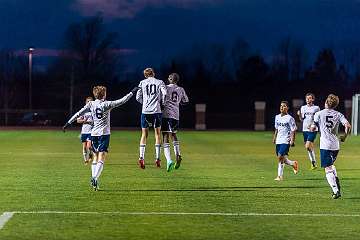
[[157, 151], [167, 152], [177, 148], [99, 168], [93, 168], [280, 169], [331, 178], [338, 183], [289, 162], [85, 155], [142, 150], [312, 158]]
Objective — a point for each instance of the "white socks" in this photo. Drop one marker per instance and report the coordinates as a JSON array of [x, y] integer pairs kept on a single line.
[[157, 151], [99, 168], [289, 162], [176, 148], [86, 154], [311, 154], [167, 152], [331, 178], [93, 168], [280, 169], [142, 150]]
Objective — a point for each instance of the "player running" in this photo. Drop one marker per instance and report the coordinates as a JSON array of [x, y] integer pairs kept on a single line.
[[170, 123], [328, 121], [284, 137], [151, 95], [306, 115], [100, 133], [87, 124]]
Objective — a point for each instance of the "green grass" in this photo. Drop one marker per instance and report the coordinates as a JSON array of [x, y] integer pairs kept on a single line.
[[222, 172]]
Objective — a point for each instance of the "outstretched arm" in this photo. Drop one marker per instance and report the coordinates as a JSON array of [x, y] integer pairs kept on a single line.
[[81, 112]]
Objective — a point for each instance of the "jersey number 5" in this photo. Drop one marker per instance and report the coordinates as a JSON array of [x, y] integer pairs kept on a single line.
[[98, 113], [329, 122], [174, 97]]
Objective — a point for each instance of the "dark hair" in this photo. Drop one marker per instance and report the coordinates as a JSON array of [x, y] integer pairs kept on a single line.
[[285, 102], [310, 94]]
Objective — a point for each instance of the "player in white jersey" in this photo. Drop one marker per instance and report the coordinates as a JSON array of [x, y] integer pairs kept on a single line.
[[170, 123], [151, 95], [306, 115], [284, 137], [328, 121], [87, 124], [100, 133]]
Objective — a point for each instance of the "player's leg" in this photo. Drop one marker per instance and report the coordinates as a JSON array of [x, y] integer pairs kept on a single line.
[[143, 139], [327, 162], [157, 122], [309, 146], [101, 157], [85, 153], [176, 144], [167, 152], [280, 155]]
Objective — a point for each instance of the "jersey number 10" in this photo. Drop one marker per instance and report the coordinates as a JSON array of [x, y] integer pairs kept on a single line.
[[150, 89]]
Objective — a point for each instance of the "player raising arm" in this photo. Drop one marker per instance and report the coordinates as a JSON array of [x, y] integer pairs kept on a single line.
[[284, 137], [328, 121], [170, 123], [100, 133], [306, 115], [152, 95]]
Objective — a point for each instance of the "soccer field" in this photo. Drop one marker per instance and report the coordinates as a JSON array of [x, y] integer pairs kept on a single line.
[[224, 189]]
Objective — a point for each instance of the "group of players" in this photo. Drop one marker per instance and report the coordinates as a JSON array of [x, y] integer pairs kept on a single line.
[[326, 122], [160, 110]]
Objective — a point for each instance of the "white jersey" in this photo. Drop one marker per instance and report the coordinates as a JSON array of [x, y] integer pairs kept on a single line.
[[151, 93], [100, 112], [307, 115], [284, 126], [174, 96], [328, 121], [88, 124]]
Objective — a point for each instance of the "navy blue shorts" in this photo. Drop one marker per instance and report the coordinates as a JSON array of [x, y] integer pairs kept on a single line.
[[328, 157], [151, 120], [282, 149], [309, 136], [85, 137], [170, 125], [100, 143]]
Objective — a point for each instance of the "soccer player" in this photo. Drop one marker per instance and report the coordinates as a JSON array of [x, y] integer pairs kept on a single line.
[[284, 137], [306, 115], [87, 124], [170, 123], [327, 120], [151, 95], [100, 133]]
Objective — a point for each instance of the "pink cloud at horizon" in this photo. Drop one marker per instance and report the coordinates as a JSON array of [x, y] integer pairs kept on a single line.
[[129, 9]]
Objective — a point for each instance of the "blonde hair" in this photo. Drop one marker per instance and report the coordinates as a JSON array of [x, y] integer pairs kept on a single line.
[[99, 92], [332, 101], [149, 72]]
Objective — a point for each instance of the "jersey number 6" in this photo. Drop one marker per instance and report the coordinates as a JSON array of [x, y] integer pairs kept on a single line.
[[98, 113]]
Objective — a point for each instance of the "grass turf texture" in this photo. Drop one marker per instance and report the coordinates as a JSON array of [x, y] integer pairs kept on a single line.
[[227, 172]]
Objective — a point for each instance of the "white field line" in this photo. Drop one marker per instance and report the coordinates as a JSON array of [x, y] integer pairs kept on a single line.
[[193, 213], [4, 218]]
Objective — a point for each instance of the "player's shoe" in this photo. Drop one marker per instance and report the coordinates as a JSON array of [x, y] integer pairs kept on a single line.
[[95, 184], [313, 166], [142, 163], [170, 166], [178, 161], [158, 163], [296, 167], [279, 178], [86, 162], [336, 195]]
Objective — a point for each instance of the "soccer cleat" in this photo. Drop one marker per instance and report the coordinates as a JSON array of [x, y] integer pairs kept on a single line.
[[178, 161], [313, 167], [279, 178], [86, 162], [158, 163], [336, 195], [170, 166], [142, 163], [94, 184], [296, 167]]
